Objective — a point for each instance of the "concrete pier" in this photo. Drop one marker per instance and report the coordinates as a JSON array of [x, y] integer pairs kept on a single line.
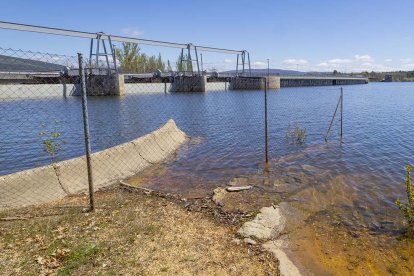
[[189, 84], [239, 83], [273, 83], [106, 85], [254, 83], [299, 81]]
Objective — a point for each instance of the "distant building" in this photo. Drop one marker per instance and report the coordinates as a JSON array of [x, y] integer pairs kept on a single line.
[[387, 78]]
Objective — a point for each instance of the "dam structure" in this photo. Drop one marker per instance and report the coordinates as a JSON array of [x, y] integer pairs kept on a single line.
[[105, 77]]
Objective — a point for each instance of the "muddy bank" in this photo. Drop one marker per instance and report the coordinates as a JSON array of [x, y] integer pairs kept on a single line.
[[336, 223]]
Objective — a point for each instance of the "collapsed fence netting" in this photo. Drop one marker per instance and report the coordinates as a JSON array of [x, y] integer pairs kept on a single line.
[[135, 123]]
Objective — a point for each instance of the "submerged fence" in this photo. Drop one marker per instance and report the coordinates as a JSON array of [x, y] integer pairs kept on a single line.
[[134, 123]]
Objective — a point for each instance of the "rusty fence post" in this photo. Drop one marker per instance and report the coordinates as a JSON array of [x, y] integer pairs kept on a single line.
[[86, 131]]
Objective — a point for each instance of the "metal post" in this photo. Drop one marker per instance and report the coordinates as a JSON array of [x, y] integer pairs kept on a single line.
[[106, 56], [98, 39], [250, 69], [333, 118], [90, 57], [112, 51], [268, 72], [342, 108], [181, 60], [265, 121], [201, 56], [237, 65], [189, 61], [86, 132], [198, 65], [243, 56]]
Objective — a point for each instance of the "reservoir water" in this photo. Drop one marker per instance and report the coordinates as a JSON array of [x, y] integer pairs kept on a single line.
[[346, 189]]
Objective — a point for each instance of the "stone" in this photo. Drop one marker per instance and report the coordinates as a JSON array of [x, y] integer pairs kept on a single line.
[[236, 241], [219, 195], [266, 225], [250, 241], [238, 189], [286, 267]]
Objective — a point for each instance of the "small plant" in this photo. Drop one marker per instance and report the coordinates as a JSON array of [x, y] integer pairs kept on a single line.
[[297, 136], [407, 209], [52, 140]]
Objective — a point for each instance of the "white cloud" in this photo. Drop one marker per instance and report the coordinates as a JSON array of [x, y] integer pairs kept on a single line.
[[364, 58], [405, 60], [323, 64], [293, 61], [227, 60], [388, 60], [339, 61], [132, 32], [408, 66]]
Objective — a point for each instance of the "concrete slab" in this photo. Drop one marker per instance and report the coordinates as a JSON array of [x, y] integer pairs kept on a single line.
[[109, 166], [30, 187], [149, 149]]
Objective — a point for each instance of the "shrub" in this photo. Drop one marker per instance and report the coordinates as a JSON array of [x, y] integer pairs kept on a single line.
[[407, 209], [52, 140], [297, 136]]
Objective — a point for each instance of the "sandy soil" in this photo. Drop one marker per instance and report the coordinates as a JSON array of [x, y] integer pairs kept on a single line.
[[129, 234]]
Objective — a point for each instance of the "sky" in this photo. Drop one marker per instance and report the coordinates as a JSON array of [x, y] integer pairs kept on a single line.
[[317, 35]]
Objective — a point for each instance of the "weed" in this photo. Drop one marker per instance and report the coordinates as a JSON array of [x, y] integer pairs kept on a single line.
[[187, 259], [78, 257], [52, 140], [297, 136], [407, 209]]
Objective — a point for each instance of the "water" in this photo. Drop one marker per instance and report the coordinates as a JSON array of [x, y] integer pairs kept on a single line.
[[378, 128], [350, 186]]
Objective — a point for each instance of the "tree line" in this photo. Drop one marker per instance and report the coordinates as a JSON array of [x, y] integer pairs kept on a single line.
[[132, 60]]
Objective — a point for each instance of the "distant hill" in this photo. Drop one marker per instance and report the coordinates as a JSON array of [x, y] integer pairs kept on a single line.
[[14, 64], [263, 72]]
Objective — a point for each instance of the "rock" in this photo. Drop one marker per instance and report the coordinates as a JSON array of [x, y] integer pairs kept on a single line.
[[267, 224], [219, 195], [250, 241], [238, 189], [286, 267], [236, 241]]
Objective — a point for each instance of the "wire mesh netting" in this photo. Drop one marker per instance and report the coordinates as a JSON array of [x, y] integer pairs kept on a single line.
[[184, 121]]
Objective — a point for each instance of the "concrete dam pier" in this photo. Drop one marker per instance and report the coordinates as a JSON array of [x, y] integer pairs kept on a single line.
[[115, 84], [198, 83]]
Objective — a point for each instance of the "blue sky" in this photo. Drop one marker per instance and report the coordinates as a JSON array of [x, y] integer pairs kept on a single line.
[[318, 35]]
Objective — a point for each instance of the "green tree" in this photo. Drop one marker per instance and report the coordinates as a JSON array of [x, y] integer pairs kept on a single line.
[[131, 60], [128, 56], [184, 66]]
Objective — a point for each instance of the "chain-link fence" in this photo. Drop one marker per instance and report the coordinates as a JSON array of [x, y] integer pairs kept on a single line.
[[41, 125], [136, 122]]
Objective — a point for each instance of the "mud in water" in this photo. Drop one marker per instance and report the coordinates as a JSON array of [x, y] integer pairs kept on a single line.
[[336, 223]]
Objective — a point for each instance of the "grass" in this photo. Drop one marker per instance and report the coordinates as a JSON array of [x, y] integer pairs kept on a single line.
[[128, 234], [80, 256]]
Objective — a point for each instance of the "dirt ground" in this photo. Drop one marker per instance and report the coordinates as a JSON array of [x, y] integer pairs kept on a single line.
[[129, 234]]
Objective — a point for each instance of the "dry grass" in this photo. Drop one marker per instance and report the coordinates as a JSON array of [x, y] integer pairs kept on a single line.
[[129, 234]]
